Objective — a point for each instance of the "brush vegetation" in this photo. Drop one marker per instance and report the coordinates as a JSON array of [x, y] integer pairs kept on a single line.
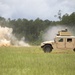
[[33, 30], [33, 61]]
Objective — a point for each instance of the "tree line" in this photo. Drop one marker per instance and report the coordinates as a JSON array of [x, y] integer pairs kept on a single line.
[[33, 30]]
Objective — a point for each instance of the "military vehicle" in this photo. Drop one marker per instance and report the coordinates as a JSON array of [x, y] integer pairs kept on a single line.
[[63, 40]]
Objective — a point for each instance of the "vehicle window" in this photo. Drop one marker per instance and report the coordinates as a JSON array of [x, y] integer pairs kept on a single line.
[[69, 40], [60, 40]]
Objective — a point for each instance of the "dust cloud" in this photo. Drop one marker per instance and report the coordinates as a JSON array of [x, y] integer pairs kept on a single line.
[[8, 39], [52, 31]]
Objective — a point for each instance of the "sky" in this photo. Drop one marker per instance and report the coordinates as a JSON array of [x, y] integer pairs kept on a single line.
[[32, 9]]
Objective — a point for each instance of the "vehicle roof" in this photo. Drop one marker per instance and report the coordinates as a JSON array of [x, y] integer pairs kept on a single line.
[[65, 36]]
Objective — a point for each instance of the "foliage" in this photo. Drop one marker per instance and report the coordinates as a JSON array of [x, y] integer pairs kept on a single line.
[[69, 19], [33, 30], [29, 29]]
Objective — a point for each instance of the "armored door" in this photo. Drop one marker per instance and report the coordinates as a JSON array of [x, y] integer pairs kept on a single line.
[[69, 42], [60, 42]]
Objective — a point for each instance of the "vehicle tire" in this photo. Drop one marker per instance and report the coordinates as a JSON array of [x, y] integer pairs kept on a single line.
[[47, 49], [74, 49]]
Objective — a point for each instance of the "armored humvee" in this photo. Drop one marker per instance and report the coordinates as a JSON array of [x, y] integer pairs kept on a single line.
[[63, 40]]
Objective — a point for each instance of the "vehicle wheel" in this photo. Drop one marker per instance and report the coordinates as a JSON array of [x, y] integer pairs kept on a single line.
[[74, 49], [47, 49]]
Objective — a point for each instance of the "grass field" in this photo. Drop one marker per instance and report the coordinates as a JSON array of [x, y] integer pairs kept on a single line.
[[33, 61]]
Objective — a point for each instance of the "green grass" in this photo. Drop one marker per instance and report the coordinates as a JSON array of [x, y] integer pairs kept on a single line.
[[33, 61]]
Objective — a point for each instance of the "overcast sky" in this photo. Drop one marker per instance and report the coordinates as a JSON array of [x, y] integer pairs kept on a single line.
[[32, 9]]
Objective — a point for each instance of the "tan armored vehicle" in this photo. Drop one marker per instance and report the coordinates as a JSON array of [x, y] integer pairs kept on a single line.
[[63, 40]]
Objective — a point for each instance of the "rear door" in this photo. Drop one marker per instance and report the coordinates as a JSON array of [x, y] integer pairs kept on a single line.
[[60, 42], [69, 42]]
